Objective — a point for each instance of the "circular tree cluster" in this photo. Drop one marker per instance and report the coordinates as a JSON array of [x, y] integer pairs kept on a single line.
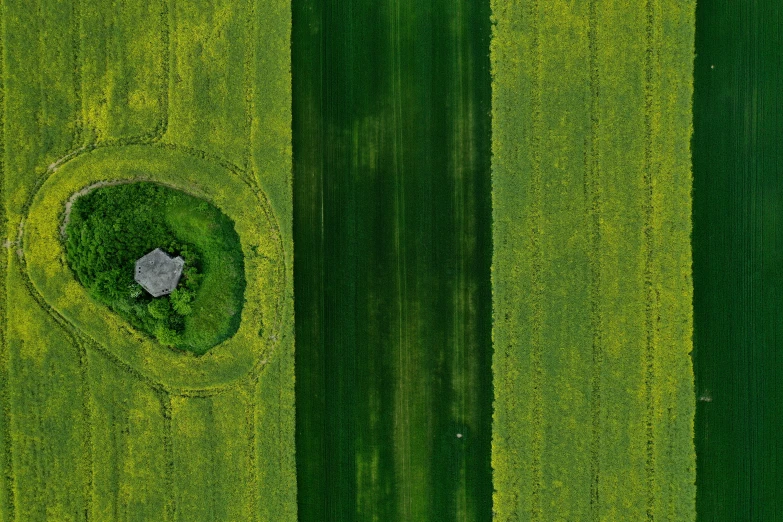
[[108, 230]]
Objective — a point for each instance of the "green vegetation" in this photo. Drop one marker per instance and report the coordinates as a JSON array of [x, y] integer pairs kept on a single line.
[[111, 227], [591, 184], [98, 421], [392, 227], [738, 261], [261, 320]]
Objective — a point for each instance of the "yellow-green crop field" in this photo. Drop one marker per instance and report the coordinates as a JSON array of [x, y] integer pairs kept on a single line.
[[491, 204], [99, 422], [591, 187]]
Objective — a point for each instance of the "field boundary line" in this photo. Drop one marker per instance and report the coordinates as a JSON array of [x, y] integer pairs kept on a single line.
[[648, 258], [594, 207], [459, 371], [5, 435], [89, 450], [249, 82], [536, 508], [76, 49], [170, 506]]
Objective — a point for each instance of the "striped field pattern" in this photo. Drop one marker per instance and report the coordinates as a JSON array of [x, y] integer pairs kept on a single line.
[[592, 291]]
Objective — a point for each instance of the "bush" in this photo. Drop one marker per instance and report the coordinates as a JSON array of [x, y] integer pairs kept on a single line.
[[159, 308], [180, 300]]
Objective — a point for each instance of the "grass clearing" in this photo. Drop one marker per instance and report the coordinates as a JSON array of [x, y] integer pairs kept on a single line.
[[218, 304], [593, 416]]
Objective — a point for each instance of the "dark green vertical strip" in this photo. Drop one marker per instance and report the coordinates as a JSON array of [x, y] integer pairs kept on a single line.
[[392, 217], [307, 128], [738, 261]]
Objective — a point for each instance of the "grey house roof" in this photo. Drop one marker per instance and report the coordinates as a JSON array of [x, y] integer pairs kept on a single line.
[[158, 273]]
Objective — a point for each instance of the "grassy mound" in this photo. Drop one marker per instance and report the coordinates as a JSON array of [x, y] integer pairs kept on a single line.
[[111, 227]]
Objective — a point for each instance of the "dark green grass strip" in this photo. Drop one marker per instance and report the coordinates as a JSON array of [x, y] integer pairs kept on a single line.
[[392, 249], [738, 259]]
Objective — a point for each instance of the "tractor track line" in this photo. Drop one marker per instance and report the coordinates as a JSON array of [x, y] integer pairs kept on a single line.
[[537, 298]]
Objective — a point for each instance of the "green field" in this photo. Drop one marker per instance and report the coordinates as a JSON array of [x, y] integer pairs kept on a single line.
[[738, 267], [392, 222], [99, 422], [591, 186], [488, 206]]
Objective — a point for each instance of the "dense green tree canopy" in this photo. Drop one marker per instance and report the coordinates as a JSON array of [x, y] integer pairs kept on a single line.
[[110, 228]]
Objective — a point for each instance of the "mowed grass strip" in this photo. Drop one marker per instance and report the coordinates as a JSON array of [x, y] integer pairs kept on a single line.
[[591, 269]]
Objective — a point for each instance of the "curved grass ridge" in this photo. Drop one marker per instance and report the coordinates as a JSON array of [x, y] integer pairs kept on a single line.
[[261, 244], [591, 181], [88, 436]]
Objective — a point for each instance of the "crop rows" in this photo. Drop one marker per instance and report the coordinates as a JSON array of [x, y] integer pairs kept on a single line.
[[212, 48], [89, 437], [392, 217], [591, 270], [738, 267]]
